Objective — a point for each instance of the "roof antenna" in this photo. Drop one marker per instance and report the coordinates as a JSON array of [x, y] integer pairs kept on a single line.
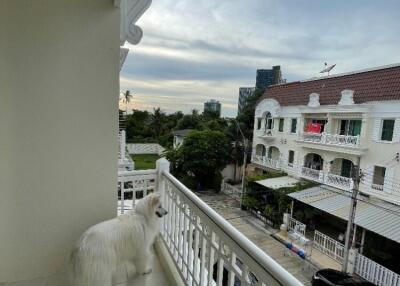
[[327, 69]]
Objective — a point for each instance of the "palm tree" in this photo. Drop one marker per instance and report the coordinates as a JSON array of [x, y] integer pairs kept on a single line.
[[126, 98]]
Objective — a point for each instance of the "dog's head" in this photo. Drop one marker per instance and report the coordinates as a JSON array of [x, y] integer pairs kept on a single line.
[[151, 206]]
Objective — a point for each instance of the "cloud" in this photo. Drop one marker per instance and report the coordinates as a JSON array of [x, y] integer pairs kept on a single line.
[[196, 50]]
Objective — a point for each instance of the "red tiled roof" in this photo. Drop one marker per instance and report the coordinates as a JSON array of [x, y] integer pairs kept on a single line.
[[378, 84]]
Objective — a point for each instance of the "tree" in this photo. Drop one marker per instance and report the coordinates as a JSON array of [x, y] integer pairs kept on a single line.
[[126, 98], [204, 154], [246, 116], [158, 121]]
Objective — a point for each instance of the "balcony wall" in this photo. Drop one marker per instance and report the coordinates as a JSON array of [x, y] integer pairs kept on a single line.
[[58, 129]]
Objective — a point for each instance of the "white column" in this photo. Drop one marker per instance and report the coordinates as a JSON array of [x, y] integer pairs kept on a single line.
[[122, 144], [162, 165]]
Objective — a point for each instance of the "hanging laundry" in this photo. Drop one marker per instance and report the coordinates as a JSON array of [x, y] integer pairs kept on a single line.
[[313, 128]]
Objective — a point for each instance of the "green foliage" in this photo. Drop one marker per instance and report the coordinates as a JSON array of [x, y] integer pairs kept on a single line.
[[145, 161], [246, 116], [278, 202], [267, 175], [201, 157]]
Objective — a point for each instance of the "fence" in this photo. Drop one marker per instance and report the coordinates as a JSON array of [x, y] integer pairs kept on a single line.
[[297, 226], [207, 250], [149, 148], [137, 182], [374, 272], [328, 246], [204, 247], [231, 191]]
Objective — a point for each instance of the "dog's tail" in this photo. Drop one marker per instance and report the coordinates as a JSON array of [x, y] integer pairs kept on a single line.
[[83, 271]]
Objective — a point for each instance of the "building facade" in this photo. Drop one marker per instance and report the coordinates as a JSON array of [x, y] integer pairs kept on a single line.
[[244, 94], [267, 77], [212, 106], [319, 129]]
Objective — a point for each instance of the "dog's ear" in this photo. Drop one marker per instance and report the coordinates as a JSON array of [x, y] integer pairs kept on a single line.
[[154, 200]]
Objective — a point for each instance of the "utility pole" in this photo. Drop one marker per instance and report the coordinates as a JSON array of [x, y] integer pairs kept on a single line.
[[245, 141], [352, 214], [245, 145]]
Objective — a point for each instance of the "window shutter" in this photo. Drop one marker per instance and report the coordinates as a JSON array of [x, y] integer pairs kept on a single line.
[[377, 129], [388, 183], [396, 130]]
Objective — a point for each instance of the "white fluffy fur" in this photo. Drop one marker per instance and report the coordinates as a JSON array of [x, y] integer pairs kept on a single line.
[[118, 249]]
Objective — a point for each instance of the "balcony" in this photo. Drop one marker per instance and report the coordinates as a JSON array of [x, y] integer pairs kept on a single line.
[[331, 142], [202, 247], [327, 178], [267, 134], [266, 162]]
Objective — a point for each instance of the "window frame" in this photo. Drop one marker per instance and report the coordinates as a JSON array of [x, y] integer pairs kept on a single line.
[[382, 129], [281, 120], [291, 152], [374, 176], [259, 123], [291, 126]]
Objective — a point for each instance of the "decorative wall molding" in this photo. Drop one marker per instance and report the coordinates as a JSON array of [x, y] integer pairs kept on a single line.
[[268, 105], [314, 100], [347, 97], [131, 10]]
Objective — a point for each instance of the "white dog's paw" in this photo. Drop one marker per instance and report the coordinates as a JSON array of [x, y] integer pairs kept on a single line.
[[148, 271]]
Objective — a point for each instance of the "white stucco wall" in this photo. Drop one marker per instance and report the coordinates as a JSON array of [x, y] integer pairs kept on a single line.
[[59, 63], [375, 152]]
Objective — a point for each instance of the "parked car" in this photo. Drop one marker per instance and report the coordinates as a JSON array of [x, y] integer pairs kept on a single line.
[[331, 277]]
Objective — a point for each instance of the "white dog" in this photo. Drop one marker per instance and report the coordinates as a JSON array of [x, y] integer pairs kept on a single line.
[[117, 249]]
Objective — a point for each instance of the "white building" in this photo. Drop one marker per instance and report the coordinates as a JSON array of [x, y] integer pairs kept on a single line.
[[319, 128], [179, 136]]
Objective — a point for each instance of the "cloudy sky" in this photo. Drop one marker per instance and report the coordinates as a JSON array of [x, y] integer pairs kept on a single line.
[[195, 50]]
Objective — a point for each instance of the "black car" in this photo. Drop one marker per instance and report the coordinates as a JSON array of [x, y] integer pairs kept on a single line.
[[331, 277]]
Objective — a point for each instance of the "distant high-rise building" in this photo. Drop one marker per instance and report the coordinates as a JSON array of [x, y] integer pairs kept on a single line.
[[244, 94], [212, 106], [266, 77]]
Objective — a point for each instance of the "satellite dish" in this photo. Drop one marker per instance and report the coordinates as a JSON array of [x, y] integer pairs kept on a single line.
[[327, 69]]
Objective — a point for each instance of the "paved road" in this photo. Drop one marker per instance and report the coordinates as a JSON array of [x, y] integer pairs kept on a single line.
[[254, 230]]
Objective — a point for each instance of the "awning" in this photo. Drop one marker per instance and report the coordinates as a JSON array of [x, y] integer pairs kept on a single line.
[[277, 183], [376, 216]]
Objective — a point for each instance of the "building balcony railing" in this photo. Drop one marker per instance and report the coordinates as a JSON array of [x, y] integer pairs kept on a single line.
[[268, 134], [330, 139], [377, 187], [320, 176], [312, 174], [327, 178], [266, 162], [204, 247]]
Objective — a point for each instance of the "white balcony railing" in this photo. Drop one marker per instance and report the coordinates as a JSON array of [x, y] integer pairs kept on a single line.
[[320, 176], [315, 175], [339, 181], [327, 178], [204, 247], [266, 162], [330, 139], [377, 187], [266, 133]]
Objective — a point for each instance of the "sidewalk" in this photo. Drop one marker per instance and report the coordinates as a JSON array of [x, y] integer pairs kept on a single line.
[[317, 258], [254, 229]]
